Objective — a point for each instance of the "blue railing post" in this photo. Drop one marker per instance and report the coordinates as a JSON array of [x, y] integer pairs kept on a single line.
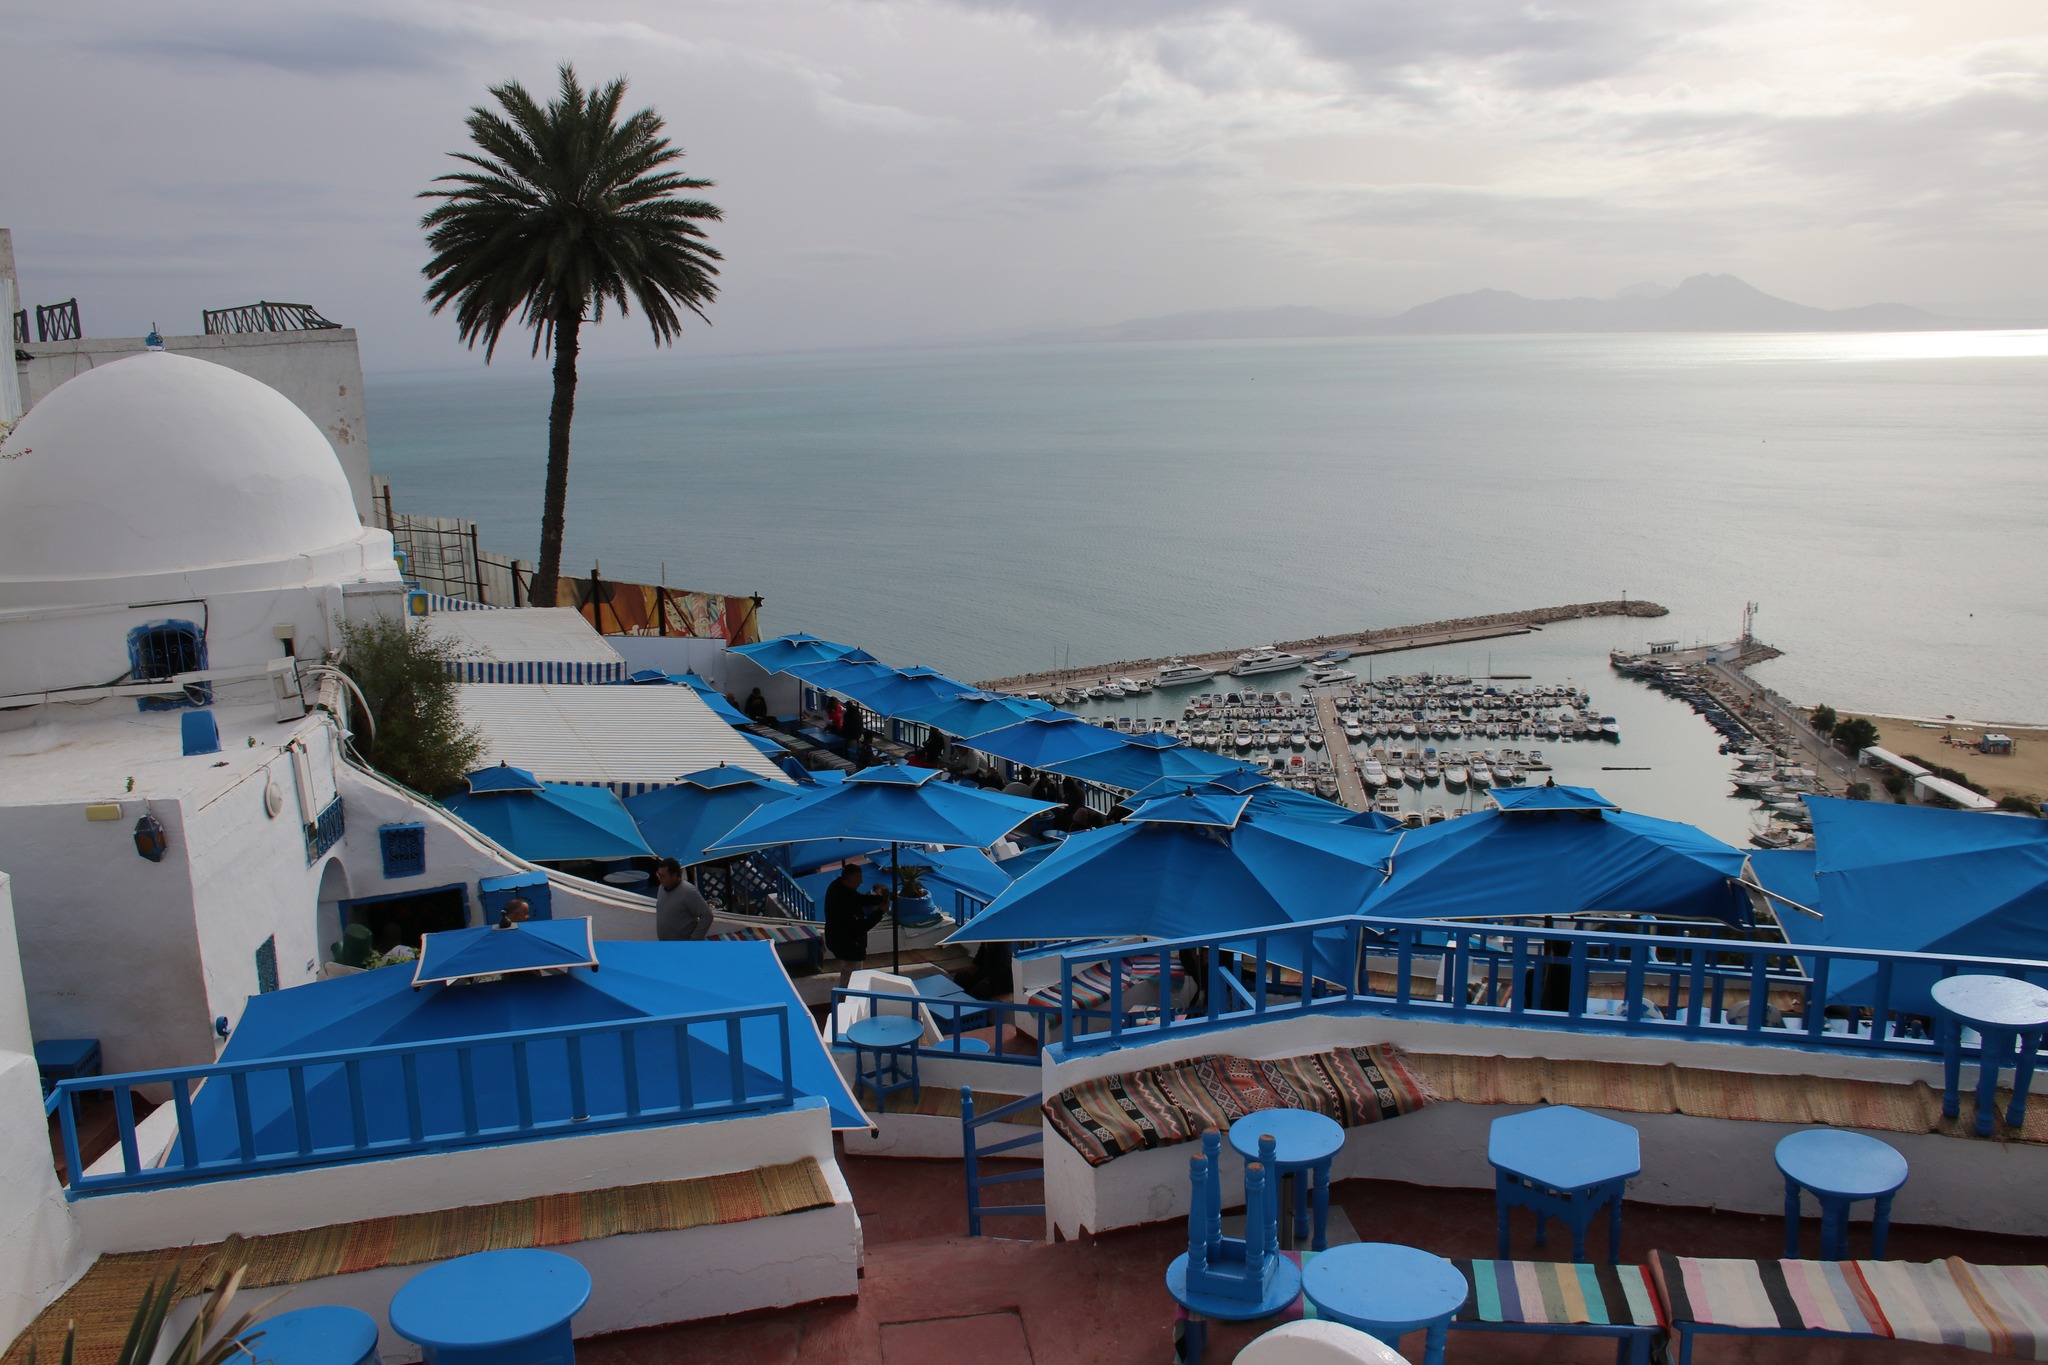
[[967, 1158]]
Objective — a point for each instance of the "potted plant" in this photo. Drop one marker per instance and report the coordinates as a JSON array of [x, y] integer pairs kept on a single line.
[[913, 903]]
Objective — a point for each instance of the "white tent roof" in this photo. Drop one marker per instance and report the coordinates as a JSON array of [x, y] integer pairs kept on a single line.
[[625, 738], [558, 644]]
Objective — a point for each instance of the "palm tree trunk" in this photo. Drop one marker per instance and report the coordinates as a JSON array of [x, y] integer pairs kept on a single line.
[[555, 500]]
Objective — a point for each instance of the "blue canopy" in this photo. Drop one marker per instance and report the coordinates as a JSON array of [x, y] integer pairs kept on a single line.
[[837, 675], [961, 869], [776, 655], [1922, 880], [1268, 797], [1550, 798], [1493, 864], [764, 744], [636, 980], [909, 689], [1372, 819], [540, 945], [1038, 741], [887, 804], [714, 699], [1151, 879], [503, 778], [680, 822], [975, 713], [551, 822], [1142, 761], [1218, 810]]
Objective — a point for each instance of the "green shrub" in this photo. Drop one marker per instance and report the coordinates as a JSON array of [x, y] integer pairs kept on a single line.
[[416, 736], [1824, 718], [2019, 804], [1854, 734]]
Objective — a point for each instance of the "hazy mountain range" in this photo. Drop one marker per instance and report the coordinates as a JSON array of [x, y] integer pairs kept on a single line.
[[1703, 303]]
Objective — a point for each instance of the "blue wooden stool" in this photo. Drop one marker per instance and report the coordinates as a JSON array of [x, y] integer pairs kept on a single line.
[[493, 1308], [63, 1059], [1562, 1162], [1230, 1279], [313, 1336], [881, 1044], [1840, 1168], [2009, 1015], [1303, 1144], [1387, 1291]]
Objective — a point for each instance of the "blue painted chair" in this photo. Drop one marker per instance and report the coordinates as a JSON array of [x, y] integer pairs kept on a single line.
[[63, 1059], [330, 1335], [493, 1308], [1230, 1279], [1562, 1162]]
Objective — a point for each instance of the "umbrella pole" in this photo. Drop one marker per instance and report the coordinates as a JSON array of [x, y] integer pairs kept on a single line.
[[895, 925]]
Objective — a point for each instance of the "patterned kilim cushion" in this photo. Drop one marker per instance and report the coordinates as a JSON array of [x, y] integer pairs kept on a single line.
[[1555, 1292], [1179, 1102], [2002, 1310], [1103, 1119]]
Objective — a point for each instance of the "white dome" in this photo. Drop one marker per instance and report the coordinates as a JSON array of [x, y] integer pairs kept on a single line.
[[162, 464]]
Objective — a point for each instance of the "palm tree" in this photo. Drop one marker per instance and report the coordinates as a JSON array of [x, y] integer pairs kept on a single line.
[[565, 207]]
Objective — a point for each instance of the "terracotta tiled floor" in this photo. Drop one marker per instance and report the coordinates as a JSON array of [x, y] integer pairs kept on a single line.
[[930, 1295]]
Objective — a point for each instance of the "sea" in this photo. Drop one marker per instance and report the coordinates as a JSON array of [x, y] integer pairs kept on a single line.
[[1880, 497]]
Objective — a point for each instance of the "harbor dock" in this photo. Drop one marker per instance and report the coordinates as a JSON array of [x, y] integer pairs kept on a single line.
[[1388, 640], [1350, 783]]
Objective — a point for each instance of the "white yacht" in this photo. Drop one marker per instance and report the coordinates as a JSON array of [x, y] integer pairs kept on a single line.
[[1454, 776], [1265, 659], [1323, 675], [1133, 687], [1180, 672]]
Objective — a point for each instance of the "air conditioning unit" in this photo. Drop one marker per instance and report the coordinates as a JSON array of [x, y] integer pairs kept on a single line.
[[286, 690]]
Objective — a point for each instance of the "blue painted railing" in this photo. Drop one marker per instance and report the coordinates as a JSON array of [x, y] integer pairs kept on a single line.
[[644, 1055], [955, 1019], [1605, 982], [972, 1155]]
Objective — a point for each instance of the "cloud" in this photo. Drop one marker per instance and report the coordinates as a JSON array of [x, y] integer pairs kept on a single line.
[[299, 40]]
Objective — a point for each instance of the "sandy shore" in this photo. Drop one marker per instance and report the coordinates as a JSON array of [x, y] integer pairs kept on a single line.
[[2022, 773]]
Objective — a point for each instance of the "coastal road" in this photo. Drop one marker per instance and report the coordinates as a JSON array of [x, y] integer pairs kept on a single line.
[[1834, 768]]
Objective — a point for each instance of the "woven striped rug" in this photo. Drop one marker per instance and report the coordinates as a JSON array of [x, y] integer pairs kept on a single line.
[[103, 1300]]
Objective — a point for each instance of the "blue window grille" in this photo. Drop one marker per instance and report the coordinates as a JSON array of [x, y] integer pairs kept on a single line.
[[404, 848], [325, 832], [164, 649], [266, 966]]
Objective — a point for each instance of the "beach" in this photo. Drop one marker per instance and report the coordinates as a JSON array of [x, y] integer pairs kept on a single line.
[[2023, 773]]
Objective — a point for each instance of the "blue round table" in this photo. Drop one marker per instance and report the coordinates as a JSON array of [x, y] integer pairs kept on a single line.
[[888, 1039], [1202, 1307], [1562, 1162], [1304, 1142], [1840, 1168], [330, 1335], [493, 1308], [1387, 1291], [2009, 1015]]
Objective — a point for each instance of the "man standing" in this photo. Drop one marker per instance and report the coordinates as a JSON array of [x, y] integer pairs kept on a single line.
[[756, 707], [680, 910], [849, 913]]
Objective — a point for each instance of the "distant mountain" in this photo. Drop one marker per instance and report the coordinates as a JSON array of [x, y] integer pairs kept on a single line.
[[1249, 324], [1704, 303]]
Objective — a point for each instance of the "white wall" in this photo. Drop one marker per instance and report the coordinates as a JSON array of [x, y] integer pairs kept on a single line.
[[40, 1252], [286, 1201], [322, 372], [735, 674]]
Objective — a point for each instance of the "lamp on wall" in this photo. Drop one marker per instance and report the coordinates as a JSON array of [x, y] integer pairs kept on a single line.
[[150, 840]]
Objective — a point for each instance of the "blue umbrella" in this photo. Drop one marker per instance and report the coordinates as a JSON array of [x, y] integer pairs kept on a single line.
[[714, 699], [1218, 810], [975, 713], [681, 821], [635, 980], [1154, 879], [1372, 819], [1528, 800], [1920, 880], [776, 655], [908, 690], [1142, 761], [837, 675], [503, 778], [1498, 863], [464, 954], [891, 804], [549, 822], [1038, 741], [1268, 798]]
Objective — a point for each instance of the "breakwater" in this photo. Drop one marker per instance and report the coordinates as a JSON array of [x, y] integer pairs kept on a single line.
[[1386, 640]]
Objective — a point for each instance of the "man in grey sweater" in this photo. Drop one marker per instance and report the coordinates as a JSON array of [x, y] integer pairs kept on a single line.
[[680, 910]]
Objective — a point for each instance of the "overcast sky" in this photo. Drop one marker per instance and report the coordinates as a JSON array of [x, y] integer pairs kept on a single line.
[[892, 169]]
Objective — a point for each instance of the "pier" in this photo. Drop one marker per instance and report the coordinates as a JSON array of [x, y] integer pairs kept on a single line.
[[1388, 640], [1350, 785]]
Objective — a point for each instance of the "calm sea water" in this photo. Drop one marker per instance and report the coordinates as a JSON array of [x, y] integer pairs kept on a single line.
[[989, 511]]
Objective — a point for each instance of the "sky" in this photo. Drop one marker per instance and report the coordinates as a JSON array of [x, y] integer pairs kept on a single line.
[[900, 170]]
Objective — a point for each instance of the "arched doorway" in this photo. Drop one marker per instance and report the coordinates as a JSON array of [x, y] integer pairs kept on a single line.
[[328, 913]]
